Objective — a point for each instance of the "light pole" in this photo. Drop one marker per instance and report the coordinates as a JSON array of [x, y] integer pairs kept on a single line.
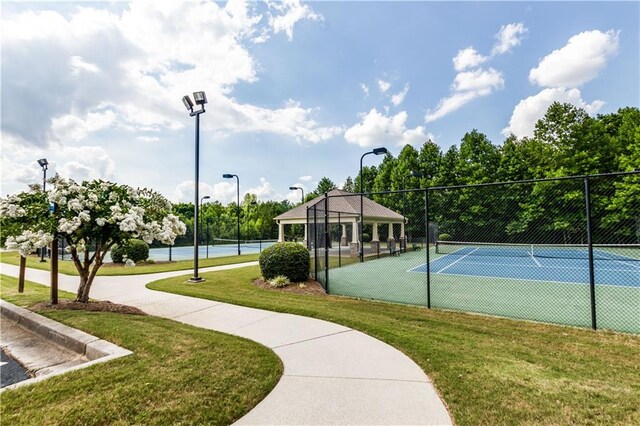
[[44, 164], [230, 176], [206, 197], [200, 98], [412, 173], [376, 151], [293, 188]]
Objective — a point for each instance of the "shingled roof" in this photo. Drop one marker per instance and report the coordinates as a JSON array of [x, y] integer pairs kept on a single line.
[[348, 204]]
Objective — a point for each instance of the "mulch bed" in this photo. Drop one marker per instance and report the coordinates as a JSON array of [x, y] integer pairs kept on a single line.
[[93, 306], [310, 287]]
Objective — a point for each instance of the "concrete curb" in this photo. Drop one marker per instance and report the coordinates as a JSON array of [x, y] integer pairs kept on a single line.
[[94, 349]]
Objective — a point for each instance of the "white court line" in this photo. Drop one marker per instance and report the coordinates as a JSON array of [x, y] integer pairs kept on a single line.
[[616, 260], [536, 260], [529, 280], [451, 264]]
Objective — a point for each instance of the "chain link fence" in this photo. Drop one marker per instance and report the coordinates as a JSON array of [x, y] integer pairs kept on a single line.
[[564, 251]]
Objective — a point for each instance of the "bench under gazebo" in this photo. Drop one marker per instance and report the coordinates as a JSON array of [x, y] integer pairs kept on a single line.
[[344, 209]]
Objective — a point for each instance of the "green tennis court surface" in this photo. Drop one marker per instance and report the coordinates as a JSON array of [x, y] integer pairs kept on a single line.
[[402, 279]]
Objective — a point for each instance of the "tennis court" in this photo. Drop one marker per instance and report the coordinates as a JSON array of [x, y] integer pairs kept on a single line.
[[547, 284]]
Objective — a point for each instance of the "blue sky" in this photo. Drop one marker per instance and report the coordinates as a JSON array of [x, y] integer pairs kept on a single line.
[[297, 91]]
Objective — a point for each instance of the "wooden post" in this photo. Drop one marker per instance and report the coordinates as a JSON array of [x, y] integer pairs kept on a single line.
[[54, 271], [23, 267]]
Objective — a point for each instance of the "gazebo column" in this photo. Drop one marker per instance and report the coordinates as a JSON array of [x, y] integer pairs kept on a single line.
[[391, 242], [355, 245], [403, 241], [375, 239], [343, 238], [280, 232], [305, 235]]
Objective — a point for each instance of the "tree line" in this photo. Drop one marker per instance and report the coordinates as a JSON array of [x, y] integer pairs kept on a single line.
[[566, 142]]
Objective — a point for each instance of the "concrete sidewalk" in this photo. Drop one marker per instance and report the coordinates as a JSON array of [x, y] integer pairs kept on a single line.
[[332, 374]]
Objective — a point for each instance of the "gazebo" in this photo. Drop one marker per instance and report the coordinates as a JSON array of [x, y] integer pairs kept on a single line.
[[344, 208]]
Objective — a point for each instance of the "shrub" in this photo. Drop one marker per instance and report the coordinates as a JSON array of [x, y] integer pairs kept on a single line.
[[288, 259], [366, 237], [279, 281], [134, 250], [444, 237]]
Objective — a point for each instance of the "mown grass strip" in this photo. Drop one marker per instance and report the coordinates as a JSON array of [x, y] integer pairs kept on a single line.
[[488, 370], [66, 267], [178, 374]]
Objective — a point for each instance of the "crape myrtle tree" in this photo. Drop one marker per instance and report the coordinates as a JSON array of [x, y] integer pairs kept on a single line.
[[91, 217]]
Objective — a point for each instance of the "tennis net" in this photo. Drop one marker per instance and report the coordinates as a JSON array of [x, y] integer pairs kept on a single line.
[[614, 252]]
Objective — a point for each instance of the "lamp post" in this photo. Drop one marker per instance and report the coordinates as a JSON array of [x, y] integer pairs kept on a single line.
[[412, 173], [293, 188], [44, 164], [200, 98], [230, 176], [376, 151], [206, 197]]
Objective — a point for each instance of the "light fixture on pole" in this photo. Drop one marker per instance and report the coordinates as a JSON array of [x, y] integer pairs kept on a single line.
[[376, 151], [44, 164], [230, 176], [293, 188], [200, 99]]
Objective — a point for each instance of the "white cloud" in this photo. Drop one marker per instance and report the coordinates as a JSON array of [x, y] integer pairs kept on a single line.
[[79, 163], [467, 86], [579, 61], [365, 89], [306, 178], [377, 129], [480, 81], [291, 11], [468, 58], [383, 85], [148, 138], [72, 127], [398, 98], [264, 191], [530, 110], [450, 104], [476, 82], [78, 65], [509, 36], [138, 63]]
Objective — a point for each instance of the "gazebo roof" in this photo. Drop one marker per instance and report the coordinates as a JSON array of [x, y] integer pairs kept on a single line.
[[345, 203]]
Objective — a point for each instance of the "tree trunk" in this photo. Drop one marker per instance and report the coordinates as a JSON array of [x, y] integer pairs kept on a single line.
[[83, 288]]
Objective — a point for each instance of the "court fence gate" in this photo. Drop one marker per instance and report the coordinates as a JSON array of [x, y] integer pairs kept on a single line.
[[559, 250]]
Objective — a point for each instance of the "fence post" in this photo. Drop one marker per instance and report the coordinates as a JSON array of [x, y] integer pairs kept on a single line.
[[326, 242], [340, 242], [592, 286], [428, 248], [315, 242]]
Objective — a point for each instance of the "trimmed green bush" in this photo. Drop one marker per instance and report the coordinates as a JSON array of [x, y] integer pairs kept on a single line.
[[135, 250], [366, 237], [444, 237], [288, 259]]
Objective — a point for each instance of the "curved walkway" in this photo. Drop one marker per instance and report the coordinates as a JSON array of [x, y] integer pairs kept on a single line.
[[332, 374]]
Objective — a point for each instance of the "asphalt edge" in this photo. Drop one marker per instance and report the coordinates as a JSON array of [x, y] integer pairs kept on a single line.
[[96, 350]]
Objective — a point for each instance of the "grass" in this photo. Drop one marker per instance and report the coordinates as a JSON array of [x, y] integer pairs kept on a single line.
[[488, 370], [178, 374], [68, 268]]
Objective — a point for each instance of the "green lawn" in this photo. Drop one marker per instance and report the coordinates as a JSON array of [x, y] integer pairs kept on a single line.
[[178, 374], [488, 370], [67, 267]]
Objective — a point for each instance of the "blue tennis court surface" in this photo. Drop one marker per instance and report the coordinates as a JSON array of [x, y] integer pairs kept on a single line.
[[556, 265]]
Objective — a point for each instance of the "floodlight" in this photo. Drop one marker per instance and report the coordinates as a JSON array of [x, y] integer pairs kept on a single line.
[[43, 162], [378, 151], [186, 100], [200, 98]]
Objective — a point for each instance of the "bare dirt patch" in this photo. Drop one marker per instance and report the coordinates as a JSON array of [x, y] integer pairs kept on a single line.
[[92, 306], [310, 287]]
